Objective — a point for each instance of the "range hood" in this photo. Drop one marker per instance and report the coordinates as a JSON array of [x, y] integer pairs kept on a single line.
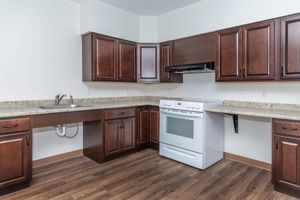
[[192, 68]]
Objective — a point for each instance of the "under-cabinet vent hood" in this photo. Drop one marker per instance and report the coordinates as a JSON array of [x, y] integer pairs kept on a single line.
[[192, 68]]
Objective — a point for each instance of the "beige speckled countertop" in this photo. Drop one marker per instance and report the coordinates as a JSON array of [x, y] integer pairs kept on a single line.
[[258, 109], [27, 108]]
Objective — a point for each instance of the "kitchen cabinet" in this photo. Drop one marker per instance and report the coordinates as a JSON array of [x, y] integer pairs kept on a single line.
[[290, 47], [127, 61], [166, 59], [112, 135], [259, 51], [286, 157], [148, 63], [108, 59], [194, 50], [128, 133], [148, 126], [143, 125], [154, 125], [119, 131], [15, 153], [229, 58], [246, 52]]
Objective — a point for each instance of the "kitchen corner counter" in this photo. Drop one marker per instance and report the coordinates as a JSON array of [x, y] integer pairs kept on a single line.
[[28, 108], [257, 109]]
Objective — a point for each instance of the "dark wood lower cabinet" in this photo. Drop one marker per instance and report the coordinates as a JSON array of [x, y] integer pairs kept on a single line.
[[143, 126], [128, 134], [154, 126], [286, 157], [15, 154], [112, 135], [148, 126], [119, 132]]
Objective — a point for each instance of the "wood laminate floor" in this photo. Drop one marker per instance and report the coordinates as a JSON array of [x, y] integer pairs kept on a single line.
[[146, 175]]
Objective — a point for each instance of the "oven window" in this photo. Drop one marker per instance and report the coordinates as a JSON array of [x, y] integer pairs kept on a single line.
[[181, 127]]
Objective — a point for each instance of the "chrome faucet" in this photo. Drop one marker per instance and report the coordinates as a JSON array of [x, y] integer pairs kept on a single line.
[[58, 98], [71, 100]]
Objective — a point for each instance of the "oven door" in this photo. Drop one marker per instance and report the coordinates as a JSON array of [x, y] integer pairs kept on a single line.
[[182, 129]]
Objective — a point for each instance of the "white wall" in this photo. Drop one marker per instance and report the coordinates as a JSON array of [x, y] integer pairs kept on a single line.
[[211, 15], [148, 29], [103, 18], [40, 48]]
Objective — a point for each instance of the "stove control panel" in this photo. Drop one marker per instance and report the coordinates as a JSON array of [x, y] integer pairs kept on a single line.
[[182, 105]]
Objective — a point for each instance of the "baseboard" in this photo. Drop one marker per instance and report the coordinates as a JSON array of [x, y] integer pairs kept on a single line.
[[56, 158], [248, 161]]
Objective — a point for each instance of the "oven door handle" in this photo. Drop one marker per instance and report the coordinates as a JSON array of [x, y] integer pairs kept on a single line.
[[199, 115]]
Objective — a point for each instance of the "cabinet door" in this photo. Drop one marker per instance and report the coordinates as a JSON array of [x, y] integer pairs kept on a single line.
[[15, 159], [165, 61], [259, 51], [229, 54], [154, 125], [143, 126], [287, 167], [166, 54], [127, 61], [112, 137], [104, 58], [195, 49], [128, 140], [290, 47], [148, 63]]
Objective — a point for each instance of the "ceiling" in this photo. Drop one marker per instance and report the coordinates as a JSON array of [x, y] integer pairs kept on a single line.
[[149, 7]]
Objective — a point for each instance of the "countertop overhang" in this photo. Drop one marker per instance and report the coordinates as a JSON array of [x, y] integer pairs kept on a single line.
[[257, 109]]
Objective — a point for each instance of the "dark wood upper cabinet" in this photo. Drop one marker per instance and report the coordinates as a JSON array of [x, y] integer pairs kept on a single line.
[[194, 50], [290, 47], [104, 58], [247, 52], [148, 62], [259, 50], [127, 61], [166, 59], [229, 54], [108, 59]]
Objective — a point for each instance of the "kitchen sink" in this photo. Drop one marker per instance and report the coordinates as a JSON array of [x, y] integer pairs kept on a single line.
[[62, 106]]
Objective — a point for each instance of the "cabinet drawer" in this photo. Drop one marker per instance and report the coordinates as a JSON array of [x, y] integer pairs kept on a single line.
[[14, 125], [119, 113], [287, 128]]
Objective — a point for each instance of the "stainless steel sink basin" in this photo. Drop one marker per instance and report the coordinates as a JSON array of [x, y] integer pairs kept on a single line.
[[62, 106]]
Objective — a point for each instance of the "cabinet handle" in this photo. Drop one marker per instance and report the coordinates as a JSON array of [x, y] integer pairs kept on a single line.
[[276, 146], [12, 126], [122, 125], [27, 139], [122, 113], [244, 73], [281, 71], [291, 129]]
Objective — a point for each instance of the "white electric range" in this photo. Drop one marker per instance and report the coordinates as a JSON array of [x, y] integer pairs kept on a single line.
[[190, 135]]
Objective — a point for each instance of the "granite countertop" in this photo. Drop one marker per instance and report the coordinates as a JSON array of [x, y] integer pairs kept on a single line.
[[27, 108], [257, 109]]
